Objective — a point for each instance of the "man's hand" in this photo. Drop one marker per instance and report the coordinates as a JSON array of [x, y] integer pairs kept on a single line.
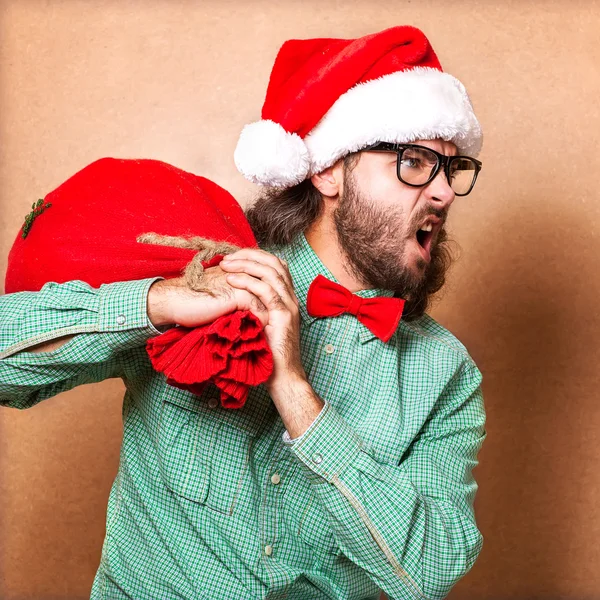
[[267, 277], [171, 302]]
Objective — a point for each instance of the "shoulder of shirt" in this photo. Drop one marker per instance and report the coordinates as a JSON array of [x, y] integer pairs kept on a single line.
[[436, 338]]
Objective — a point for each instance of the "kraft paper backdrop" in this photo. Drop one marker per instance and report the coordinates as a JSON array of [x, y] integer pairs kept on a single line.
[[176, 81]]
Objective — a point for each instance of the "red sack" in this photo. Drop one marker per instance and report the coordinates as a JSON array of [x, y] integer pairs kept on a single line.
[[87, 229]]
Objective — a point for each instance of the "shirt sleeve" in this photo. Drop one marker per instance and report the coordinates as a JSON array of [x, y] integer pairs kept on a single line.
[[410, 526], [108, 321]]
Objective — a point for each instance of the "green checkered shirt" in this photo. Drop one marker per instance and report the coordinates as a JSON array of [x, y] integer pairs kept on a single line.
[[213, 503]]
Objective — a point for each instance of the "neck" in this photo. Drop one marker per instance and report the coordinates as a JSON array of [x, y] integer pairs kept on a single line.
[[323, 239]]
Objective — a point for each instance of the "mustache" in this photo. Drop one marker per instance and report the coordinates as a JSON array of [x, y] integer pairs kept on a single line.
[[435, 212]]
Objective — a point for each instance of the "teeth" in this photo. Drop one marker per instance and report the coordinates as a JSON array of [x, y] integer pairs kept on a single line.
[[427, 227]]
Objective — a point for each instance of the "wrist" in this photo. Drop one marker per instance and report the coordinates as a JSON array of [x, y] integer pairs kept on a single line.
[[289, 386], [157, 304], [298, 405]]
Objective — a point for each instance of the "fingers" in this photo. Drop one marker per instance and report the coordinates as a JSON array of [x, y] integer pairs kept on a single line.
[[258, 309], [267, 274], [265, 258], [262, 290], [218, 283]]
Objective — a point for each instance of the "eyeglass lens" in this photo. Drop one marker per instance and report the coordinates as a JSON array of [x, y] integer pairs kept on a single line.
[[416, 165]]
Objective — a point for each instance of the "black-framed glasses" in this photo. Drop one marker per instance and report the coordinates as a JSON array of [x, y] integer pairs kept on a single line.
[[418, 165]]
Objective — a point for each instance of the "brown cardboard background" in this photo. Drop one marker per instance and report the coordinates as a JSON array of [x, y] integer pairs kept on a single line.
[[176, 80]]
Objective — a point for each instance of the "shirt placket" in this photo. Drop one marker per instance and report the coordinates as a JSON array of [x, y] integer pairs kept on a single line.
[[274, 479], [329, 356]]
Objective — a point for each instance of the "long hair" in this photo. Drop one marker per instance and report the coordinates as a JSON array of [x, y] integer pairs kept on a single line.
[[277, 216]]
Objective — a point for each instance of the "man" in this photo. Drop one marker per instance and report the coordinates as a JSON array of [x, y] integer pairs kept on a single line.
[[350, 470]]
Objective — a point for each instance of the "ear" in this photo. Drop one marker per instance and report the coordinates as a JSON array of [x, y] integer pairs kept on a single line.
[[330, 182]]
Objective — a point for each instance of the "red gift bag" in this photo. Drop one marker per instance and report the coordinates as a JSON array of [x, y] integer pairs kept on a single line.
[[87, 229]]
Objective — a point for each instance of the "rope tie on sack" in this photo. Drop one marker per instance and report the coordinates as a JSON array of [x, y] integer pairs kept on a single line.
[[207, 249]]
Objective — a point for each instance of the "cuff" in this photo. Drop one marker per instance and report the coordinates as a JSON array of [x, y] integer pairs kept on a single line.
[[328, 447], [124, 306]]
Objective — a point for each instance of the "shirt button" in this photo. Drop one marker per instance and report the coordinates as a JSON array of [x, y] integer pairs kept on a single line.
[[268, 550], [213, 403], [317, 459], [121, 320], [329, 349], [275, 478]]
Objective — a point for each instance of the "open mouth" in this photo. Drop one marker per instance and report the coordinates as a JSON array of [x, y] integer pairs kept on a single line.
[[424, 239], [426, 234]]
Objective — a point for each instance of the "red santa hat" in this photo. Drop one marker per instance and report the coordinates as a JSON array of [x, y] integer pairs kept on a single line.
[[329, 97]]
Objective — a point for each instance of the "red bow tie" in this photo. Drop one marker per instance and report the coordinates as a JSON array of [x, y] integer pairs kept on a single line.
[[327, 298]]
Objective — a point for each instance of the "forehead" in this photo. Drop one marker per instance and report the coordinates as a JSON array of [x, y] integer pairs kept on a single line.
[[442, 146]]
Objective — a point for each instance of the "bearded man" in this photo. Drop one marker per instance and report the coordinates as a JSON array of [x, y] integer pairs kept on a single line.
[[349, 472]]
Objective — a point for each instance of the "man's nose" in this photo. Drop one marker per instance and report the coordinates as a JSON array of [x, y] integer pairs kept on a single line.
[[439, 191]]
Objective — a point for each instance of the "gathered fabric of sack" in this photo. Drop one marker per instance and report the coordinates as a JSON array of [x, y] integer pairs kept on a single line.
[[128, 219]]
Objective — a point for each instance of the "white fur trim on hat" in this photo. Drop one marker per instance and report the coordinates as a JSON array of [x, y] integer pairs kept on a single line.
[[267, 154], [423, 103]]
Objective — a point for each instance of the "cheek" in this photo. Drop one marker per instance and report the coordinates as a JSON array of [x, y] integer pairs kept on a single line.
[[386, 191], [398, 200], [377, 180]]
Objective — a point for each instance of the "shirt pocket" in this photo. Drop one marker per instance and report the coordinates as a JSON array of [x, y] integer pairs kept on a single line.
[[204, 450], [308, 519]]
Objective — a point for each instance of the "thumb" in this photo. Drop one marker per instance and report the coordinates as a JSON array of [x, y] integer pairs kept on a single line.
[[255, 305]]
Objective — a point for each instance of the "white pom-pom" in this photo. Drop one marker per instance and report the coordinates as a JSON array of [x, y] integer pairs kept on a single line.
[[267, 154]]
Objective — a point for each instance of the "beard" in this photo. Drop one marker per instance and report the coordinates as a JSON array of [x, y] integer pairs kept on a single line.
[[378, 256]]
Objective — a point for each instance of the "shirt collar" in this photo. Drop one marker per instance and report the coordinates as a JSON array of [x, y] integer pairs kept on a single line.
[[304, 265]]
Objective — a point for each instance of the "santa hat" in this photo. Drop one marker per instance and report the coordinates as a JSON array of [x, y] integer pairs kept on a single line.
[[329, 97]]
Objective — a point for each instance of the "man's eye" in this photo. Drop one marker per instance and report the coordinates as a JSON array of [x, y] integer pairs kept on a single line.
[[413, 163]]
